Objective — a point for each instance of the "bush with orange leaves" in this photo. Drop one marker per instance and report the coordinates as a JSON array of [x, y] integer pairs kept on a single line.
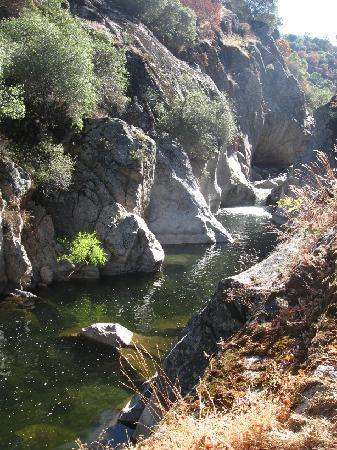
[[208, 13]]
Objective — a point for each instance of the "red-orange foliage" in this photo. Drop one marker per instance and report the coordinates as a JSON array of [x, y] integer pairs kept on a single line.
[[209, 14], [313, 58], [284, 48]]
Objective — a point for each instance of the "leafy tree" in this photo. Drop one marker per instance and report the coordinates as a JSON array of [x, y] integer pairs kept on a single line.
[[201, 124], [170, 20], [9, 8], [264, 11], [313, 62], [52, 168], [47, 163], [86, 249], [56, 70]]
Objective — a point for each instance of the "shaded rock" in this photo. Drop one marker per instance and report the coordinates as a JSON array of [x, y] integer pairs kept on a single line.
[[3, 277], [14, 182], [46, 275], [14, 185], [39, 241], [86, 273], [149, 417], [132, 246], [63, 270], [178, 213], [132, 412], [111, 334]]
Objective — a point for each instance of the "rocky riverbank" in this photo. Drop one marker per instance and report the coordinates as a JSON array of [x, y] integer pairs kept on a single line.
[[135, 185]]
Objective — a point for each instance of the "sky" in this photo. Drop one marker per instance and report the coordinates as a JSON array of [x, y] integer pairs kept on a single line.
[[314, 17]]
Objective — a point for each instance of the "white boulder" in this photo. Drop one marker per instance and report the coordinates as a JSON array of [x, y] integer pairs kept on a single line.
[[112, 334]]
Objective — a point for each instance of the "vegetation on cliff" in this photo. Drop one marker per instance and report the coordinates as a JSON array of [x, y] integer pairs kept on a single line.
[[201, 124], [313, 62], [50, 82]]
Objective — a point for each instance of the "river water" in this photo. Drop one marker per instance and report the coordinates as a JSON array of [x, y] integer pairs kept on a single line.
[[54, 387]]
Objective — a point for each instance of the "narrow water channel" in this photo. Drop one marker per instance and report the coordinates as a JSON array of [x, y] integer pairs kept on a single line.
[[54, 388]]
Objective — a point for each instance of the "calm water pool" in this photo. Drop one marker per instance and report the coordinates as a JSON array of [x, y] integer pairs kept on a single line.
[[54, 387]]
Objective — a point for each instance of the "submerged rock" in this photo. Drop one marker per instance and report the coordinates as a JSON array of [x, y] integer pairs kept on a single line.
[[112, 334]]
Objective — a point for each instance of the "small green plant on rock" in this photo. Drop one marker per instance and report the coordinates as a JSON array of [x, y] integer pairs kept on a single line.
[[290, 204], [85, 250]]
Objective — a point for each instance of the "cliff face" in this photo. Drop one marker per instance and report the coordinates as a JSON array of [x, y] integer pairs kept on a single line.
[[137, 188]]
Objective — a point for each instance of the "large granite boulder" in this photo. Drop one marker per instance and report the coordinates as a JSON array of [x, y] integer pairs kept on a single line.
[[111, 189], [130, 244], [178, 213]]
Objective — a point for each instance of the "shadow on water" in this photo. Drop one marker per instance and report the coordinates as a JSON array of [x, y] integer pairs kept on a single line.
[[54, 387]]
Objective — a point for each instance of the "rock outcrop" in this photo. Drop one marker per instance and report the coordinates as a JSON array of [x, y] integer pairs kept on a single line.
[[236, 301], [233, 303], [178, 213], [138, 189], [16, 269], [269, 104], [111, 189]]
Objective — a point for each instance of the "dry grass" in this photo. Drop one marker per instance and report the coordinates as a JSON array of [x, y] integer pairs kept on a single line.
[[259, 424], [317, 212]]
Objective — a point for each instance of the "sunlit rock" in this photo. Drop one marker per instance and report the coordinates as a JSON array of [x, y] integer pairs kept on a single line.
[[112, 334]]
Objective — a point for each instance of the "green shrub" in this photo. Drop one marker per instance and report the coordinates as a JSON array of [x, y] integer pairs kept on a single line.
[[201, 124], [66, 70], [52, 58], [264, 11], [11, 97], [172, 22], [46, 162], [53, 168], [84, 250], [111, 73]]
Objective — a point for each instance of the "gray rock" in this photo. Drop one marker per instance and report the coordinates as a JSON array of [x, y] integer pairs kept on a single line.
[[236, 190], [63, 270], [132, 412], [46, 275], [178, 213], [39, 241], [86, 273], [228, 310], [112, 334], [324, 370], [14, 182], [14, 185], [116, 162], [150, 416], [3, 277]]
